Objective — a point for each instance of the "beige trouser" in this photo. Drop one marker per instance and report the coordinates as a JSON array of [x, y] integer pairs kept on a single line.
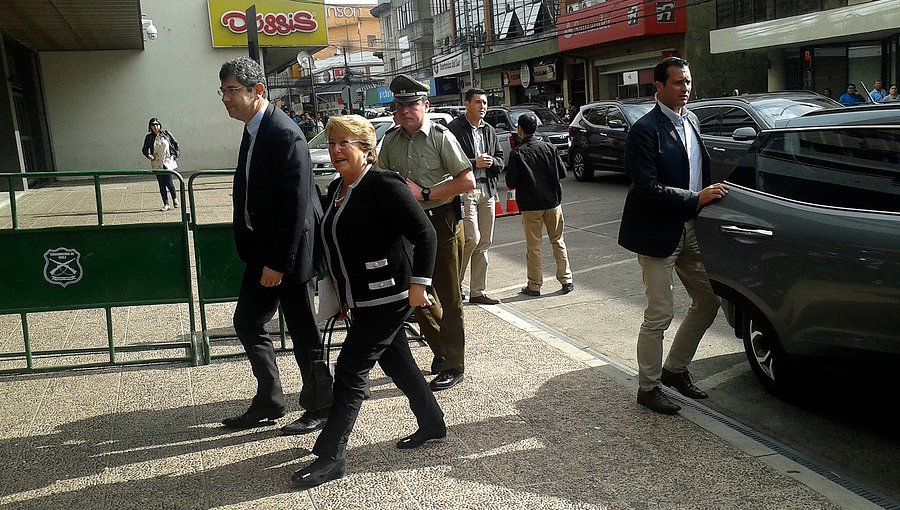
[[533, 222], [478, 226], [657, 273]]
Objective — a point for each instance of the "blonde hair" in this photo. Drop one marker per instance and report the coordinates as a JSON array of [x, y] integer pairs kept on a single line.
[[357, 127]]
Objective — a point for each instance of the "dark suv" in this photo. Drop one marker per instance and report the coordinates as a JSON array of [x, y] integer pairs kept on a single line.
[[805, 249], [598, 135], [728, 125], [506, 119]]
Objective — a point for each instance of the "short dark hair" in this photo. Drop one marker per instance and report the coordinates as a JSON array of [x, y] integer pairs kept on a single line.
[[851, 85], [245, 70], [473, 92], [661, 71], [150, 124], [528, 122]]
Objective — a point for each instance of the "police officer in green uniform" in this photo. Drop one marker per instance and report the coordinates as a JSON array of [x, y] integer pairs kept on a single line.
[[436, 170]]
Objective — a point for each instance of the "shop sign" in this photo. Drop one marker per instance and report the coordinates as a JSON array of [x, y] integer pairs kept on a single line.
[[447, 66], [630, 78], [511, 78], [491, 81], [278, 22], [616, 20], [525, 75], [544, 73]]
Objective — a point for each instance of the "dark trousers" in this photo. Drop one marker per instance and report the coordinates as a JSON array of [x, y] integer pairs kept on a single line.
[[442, 322], [375, 335], [166, 182], [255, 307]]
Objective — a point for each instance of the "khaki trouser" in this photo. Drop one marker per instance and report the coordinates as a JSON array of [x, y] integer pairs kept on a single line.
[[442, 322], [533, 222], [657, 273], [478, 227]]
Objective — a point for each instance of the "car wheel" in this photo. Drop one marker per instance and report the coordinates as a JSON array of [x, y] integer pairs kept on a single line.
[[765, 354], [580, 167]]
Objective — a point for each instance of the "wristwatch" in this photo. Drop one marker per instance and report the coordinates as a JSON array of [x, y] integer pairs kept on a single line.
[[426, 193]]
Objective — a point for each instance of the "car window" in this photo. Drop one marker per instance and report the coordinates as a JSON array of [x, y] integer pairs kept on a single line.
[[613, 113], [515, 114], [776, 112], [635, 111], [735, 117], [853, 168], [595, 115], [709, 119], [495, 117], [319, 141]]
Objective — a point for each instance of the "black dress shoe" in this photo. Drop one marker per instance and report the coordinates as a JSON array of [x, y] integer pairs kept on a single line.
[[568, 287], [656, 401], [446, 380], [254, 418], [438, 364], [320, 471], [309, 422], [530, 292], [422, 436], [484, 299], [683, 384]]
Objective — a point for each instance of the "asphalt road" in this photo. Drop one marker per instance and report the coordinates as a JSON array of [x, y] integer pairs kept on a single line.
[[843, 422]]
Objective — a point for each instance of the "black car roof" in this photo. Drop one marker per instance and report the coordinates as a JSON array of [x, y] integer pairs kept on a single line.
[[870, 114]]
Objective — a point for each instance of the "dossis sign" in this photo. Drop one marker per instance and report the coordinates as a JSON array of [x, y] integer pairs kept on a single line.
[[278, 22], [271, 23]]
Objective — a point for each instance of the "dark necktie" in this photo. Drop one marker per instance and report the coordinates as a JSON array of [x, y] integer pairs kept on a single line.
[[240, 176]]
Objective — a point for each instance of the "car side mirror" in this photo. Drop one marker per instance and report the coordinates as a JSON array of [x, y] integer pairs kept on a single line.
[[618, 124], [744, 134]]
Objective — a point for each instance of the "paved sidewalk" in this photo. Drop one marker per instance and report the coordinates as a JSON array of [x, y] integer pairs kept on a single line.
[[537, 424]]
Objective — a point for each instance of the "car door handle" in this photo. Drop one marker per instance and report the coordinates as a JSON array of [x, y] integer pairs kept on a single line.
[[603, 134], [757, 233], [719, 149]]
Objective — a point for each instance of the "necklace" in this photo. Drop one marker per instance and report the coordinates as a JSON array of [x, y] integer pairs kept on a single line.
[[339, 198]]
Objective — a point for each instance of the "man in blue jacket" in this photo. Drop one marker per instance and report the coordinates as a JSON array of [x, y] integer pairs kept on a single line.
[[669, 168]]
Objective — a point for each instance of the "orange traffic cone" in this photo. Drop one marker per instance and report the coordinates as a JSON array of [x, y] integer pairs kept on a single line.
[[511, 206], [498, 209]]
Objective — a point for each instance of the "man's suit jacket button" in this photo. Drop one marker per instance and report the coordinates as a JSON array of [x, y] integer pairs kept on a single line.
[[381, 285]]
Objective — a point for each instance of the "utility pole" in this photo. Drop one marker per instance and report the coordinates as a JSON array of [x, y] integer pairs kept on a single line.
[[469, 43], [349, 85]]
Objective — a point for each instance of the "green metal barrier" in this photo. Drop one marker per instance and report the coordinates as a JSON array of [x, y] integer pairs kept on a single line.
[[92, 267], [219, 269]]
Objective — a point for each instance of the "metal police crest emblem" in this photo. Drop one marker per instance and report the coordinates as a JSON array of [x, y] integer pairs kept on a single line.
[[62, 266]]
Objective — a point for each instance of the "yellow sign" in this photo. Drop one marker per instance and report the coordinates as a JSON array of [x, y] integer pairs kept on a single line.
[[278, 22]]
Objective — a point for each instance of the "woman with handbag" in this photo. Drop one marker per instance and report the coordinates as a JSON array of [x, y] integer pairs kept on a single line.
[[161, 148], [380, 249]]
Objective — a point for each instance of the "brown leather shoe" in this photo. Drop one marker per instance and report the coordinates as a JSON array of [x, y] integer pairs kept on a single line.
[[683, 384], [656, 401], [484, 299]]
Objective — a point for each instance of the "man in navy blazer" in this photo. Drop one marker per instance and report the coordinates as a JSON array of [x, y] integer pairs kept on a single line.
[[276, 211], [669, 168]]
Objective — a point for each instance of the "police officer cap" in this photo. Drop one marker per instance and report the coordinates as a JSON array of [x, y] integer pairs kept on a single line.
[[408, 90]]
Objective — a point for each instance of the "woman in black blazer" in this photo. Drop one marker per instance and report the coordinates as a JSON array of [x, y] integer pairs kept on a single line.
[[380, 249]]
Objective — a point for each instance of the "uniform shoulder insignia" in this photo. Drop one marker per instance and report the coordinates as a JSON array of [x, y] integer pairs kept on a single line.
[[440, 127]]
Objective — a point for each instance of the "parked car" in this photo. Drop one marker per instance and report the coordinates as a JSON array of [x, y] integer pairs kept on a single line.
[[728, 125], [805, 249], [506, 120], [453, 111], [598, 133]]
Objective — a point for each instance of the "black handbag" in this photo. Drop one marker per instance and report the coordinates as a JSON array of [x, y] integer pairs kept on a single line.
[[331, 325]]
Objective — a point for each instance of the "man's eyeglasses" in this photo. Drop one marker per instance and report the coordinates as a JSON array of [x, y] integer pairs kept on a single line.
[[343, 144], [230, 91]]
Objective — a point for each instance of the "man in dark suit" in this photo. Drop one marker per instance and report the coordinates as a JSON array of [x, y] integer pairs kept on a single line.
[[669, 168], [479, 141], [276, 211]]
